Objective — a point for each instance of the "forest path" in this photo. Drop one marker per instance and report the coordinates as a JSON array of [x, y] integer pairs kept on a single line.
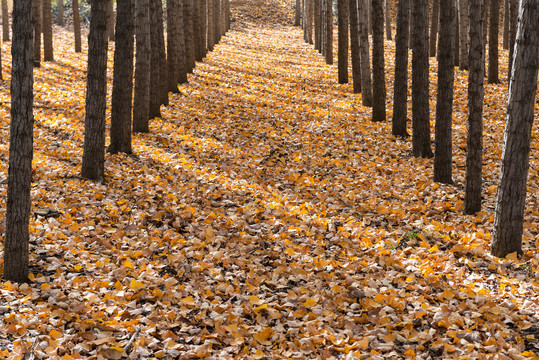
[[263, 216]]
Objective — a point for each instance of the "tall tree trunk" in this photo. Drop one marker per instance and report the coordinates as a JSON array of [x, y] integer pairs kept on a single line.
[[18, 204], [163, 71], [210, 24], [493, 42], [343, 41], [122, 84], [474, 149], [182, 55], [227, 7], [366, 84], [400, 99], [443, 155], [189, 35], [323, 24], [141, 103], [196, 30], [511, 199], [76, 26], [60, 7], [47, 31], [317, 28], [388, 19], [513, 20], [93, 156], [354, 46], [5, 21], [216, 21], [37, 32], [505, 42], [456, 57], [297, 19], [172, 46], [463, 17], [329, 32], [203, 27], [369, 15], [378, 70], [420, 80], [309, 20], [110, 21], [434, 26], [155, 61]]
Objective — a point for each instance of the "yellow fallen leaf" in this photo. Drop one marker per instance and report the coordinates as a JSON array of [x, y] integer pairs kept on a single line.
[[254, 300], [189, 300], [512, 256], [263, 336], [55, 334], [309, 303], [260, 308], [136, 285], [434, 248], [128, 264]]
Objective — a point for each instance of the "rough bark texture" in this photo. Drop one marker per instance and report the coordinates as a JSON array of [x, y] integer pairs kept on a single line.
[[317, 38], [48, 54], [456, 49], [93, 157], [388, 19], [18, 204], [474, 149], [434, 26], [420, 80], [182, 56], [172, 46], [366, 85], [354, 46], [122, 85], [297, 18], [343, 41], [378, 70], [197, 30], [400, 99], [463, 23], [505, 42], [216, 21], [493, 42], [322, 25], [163, 71], [189, 35], [210, 24], [155, 62], [513, 18], [443, 155], [5, 21], [60, 15], [141, 103], [510, 203], [227, 7], [110, 21], [309, 21], [76, 26], [203, 25], [37, 32], [329, 32]]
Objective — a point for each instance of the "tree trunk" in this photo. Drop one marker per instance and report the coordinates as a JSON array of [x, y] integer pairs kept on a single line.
[[493, 42], [388, 20], [317, 28], [297, 19], [210, 25], [366, 85], [434, 26], [122, 85], [400, 99], [329, 32], [420, 81], [227, 7], [368, 9], [60, 17], [323, 24], [216, 21], [456, 57], [505, 42], [18, 204], [37, 32], [155, 61], [5, 21], [182, 55], [189, 35], [203, 27], [343, 41], [110, 21], [196, 31], [378, 70], [354, 46], [76, 26], [474, 149], [443, 156], [141, 103], [93, 157], [463, 23], [47, 31], [511, 199], [309, 23], [513, 19], [163, 71]]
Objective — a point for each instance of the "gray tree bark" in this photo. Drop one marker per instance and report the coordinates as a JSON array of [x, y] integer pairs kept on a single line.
[[76, 26], [48, 53], [511, 198], [463, 23], [378, 69], [434, 26], [37, 32], [155, 61], [493, 42], [5, 21], [513, 19], [60, 17], [18, 205], [474, 149], [366, 84], [93, 156], [329, 32], [400, 96], [443, 155], [141, 101], [343, 40], [297, 18], [354, 46]]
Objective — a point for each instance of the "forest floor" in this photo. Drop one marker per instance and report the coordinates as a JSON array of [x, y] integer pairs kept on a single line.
[[263, 217]]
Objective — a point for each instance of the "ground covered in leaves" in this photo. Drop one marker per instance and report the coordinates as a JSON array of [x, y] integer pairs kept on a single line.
[[264, 216]]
